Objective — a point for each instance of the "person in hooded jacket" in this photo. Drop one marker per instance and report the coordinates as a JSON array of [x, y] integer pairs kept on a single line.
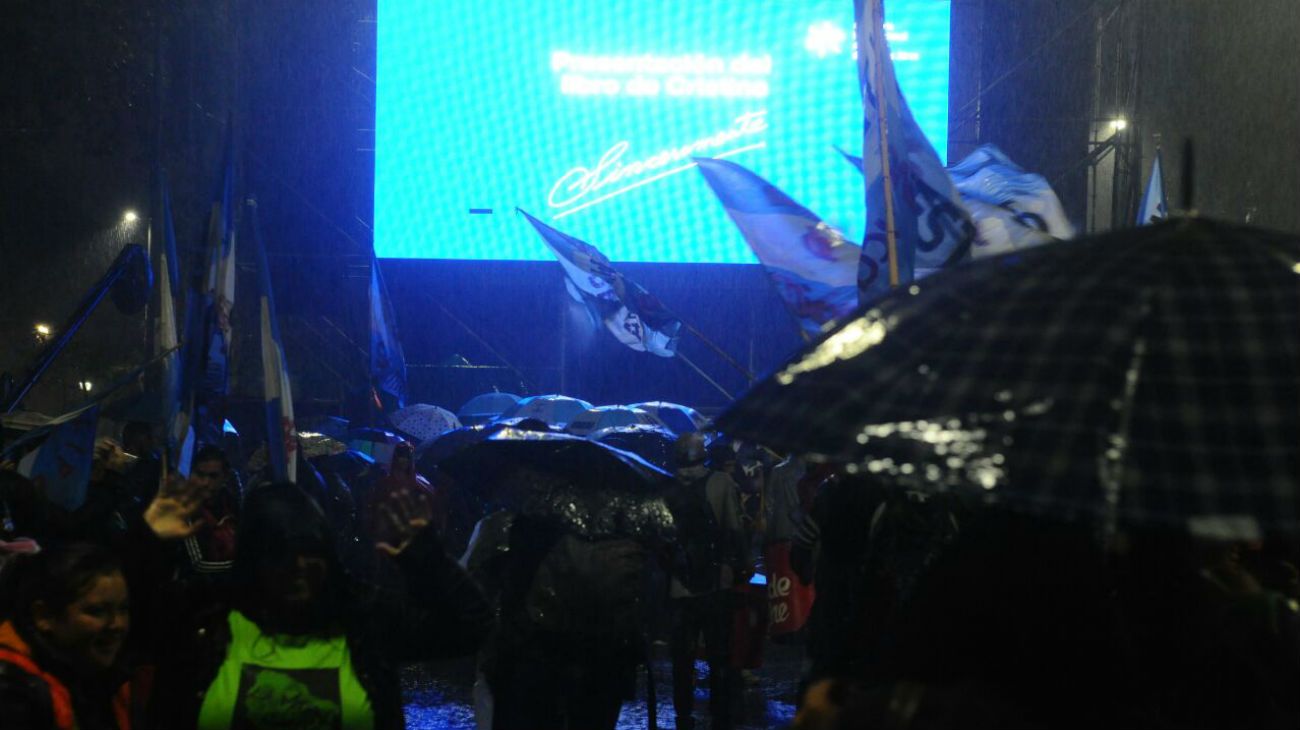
[[296, 642], [61, 641]]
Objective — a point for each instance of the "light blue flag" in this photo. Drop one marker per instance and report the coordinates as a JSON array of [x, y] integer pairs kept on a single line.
[[909, 194], [175, 421], [1012, 209], [631, 313], [281, 433], [60, 465], [813, 268], [1155, 207], [206, 376]]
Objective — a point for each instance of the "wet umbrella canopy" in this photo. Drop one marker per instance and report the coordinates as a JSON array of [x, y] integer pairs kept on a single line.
[[557, 410], [424, 422], [1151, 375], [652, 443], [486, 407], [608, 417], [677, 418], [589, 489], [431, 453]]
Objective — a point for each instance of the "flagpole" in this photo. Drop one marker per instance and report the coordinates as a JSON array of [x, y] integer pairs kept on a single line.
[[704, 375], [891, 236], [713, 346]]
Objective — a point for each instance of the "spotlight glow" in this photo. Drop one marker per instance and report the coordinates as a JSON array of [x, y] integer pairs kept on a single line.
[[130, 216]]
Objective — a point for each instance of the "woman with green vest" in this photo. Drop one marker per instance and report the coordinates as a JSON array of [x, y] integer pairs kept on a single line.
[[297, 643], [66, 622]]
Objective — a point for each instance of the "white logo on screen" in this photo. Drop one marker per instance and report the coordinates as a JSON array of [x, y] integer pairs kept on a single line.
[[582, 187]]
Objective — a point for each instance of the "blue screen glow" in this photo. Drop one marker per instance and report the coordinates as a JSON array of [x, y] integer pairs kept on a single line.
[[585, 113]]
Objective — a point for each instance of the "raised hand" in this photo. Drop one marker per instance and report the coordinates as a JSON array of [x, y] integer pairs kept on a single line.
[[171, 514], [404, 513]]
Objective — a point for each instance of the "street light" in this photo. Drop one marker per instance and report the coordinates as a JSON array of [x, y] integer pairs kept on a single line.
[[85, 386], [42, 329], [1119, 125], [130, 216]]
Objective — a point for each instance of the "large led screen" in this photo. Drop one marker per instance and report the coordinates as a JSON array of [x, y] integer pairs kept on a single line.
[[586, 114]]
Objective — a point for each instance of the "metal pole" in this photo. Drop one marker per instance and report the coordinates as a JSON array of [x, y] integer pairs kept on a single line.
[[73, 323], [891, 236], [704, 375]]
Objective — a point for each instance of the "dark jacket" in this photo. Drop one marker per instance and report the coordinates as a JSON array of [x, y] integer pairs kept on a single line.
[[38, 691], [441, 613]]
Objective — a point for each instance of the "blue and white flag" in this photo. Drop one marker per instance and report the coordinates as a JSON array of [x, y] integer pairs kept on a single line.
[[1012, 209], [206, 375], [813, 268], [633, 315], [60, 465], [387, 361], [910, 198], [175, 420], [1155, 207], [281, 433]]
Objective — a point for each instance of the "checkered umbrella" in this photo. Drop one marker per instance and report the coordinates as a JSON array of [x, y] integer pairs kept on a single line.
[[1147, 376]]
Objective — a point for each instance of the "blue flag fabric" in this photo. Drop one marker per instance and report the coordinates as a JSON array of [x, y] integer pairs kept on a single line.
[[852, 158], [633, 315], [1155, 206], [907, 186], [60, 465], [206, 375], [175, 422], [387, 362], [281, 433], [813, 268], [1012, 209]]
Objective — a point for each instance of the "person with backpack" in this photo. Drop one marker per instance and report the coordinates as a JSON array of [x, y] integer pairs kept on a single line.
[[571, 630], [705, 505]]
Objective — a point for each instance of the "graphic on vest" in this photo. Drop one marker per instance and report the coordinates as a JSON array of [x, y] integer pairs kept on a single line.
[[280, 699]]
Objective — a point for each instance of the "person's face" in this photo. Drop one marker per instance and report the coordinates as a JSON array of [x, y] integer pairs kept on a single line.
[[295, 581], [93, 627], [401, 465], [208, 475]]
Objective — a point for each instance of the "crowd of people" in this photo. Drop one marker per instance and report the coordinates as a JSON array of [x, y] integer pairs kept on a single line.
[[225, 599]]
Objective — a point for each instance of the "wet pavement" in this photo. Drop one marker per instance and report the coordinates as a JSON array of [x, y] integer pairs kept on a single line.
[[440, 696]]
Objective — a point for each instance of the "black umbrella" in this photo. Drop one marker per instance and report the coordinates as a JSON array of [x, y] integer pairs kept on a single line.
[[586, 487], [652, 443], [1151, 375], [431, 453]]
